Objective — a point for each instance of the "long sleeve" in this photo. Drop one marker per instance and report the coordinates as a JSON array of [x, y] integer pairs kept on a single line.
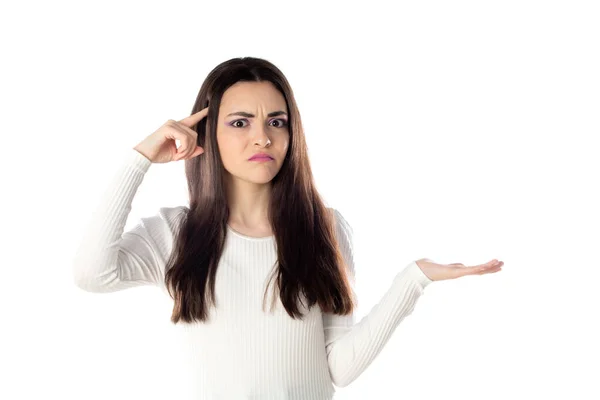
[[350, 346], [109, 260]]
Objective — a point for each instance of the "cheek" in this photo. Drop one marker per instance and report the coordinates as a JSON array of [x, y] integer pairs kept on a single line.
[[285, 145], [229, 146]]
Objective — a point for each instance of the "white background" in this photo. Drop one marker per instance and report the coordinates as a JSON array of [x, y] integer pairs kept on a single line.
[[458, 131]]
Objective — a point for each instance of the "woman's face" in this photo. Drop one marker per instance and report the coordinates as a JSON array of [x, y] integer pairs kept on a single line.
[[261, 116]]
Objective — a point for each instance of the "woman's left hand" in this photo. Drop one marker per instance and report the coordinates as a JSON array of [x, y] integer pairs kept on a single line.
[[440, 272]]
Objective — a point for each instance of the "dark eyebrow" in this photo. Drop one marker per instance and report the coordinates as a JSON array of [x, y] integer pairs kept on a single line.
[[248, 115]]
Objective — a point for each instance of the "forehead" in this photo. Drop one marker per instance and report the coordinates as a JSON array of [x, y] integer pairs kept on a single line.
[[244, 96]]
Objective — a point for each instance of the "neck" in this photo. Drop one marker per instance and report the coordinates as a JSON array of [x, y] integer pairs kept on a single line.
[[249, 203]]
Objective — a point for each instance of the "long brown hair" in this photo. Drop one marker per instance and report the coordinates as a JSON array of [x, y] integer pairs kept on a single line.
[[310, 265]]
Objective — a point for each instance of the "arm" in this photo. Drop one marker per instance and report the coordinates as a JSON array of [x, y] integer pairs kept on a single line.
[[350, 346], [107, 259]]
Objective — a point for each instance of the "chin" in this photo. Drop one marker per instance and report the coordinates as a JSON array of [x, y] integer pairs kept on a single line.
[[255, 175], [259, 181], [258, 177]]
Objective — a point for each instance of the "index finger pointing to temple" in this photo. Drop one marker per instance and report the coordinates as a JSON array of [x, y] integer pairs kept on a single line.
[[194, 118]]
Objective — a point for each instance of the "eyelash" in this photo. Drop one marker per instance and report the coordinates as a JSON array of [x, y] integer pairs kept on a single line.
[[284, 122]]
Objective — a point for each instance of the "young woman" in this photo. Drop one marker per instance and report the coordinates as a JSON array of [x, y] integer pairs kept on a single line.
[[255, 219]]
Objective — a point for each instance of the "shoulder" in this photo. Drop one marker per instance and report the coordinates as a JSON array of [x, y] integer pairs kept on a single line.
[[341, 223], [344, 236], [163, 225], [343, 232], [172, 216], [165, 218]]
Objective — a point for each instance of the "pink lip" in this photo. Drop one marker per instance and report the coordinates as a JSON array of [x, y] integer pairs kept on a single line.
[[261, 159]]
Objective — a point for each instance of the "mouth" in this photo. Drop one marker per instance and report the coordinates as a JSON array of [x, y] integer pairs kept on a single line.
[[261, 159]]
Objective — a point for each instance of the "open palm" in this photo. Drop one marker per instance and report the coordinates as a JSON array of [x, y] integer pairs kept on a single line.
[[440, 272]]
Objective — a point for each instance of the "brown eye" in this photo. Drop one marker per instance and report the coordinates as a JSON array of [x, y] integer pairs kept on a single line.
[[282, 124], [234, 123]]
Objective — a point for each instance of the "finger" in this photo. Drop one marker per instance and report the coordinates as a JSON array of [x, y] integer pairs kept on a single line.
[[185, 143], [184, 129], [488, 270], [187, 148], [199, 150], [488, 264], [194, 118], [492, 271], [173, 146], [186, 139], [494, 264]]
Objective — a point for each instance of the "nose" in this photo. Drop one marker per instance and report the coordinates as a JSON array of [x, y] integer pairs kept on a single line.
[[260, 136]]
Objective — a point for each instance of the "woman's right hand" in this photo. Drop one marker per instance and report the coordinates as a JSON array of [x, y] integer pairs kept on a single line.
[[160, 146]]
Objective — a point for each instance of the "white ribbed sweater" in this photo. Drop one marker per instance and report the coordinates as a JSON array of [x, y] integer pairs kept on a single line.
[[242, 352]]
